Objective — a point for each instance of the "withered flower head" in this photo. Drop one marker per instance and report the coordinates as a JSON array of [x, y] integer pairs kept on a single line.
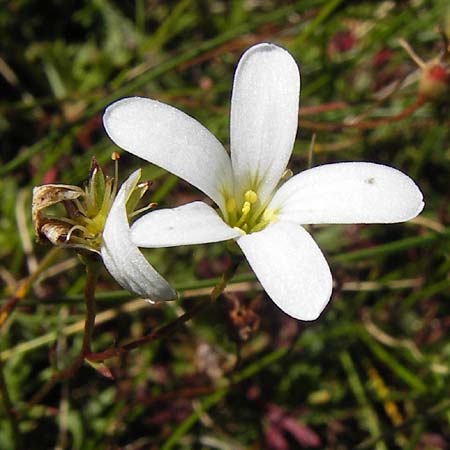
[[96, 220], [86, 209], [434, 75]]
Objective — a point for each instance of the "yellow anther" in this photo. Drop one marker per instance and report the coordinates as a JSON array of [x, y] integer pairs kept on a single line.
[[240, 230], [249, 217], [269, 216], [251, 196], [246, 208], [287, 174]]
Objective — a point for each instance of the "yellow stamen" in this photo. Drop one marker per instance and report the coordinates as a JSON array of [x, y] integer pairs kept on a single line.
[[251, 216], [251, 196], [246, 208], [115, 157], [240, 230], [287, 174], [269, 215], [144, 209]]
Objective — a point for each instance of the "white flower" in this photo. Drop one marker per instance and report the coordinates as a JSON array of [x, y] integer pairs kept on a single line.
[[96, 223], [257, 206], [121, 256]]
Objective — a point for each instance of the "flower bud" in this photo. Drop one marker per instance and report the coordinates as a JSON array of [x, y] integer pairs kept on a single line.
[[434, 81], [434, 78]]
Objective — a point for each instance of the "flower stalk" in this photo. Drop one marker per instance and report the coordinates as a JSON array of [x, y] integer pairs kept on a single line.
[[92, 266]]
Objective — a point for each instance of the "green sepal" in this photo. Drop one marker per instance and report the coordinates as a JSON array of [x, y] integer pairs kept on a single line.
[[97, 183], [136, 196]]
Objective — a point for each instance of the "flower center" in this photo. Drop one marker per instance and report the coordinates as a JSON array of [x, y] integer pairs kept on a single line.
[[250, 216]]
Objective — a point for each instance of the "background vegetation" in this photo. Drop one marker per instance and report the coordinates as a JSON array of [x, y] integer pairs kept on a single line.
[[372, 372]]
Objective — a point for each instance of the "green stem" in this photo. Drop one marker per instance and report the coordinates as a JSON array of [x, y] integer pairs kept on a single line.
[[369, 418], [92, 272], [9, 410], [391, 247]]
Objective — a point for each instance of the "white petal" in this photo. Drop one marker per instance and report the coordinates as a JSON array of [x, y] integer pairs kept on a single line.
[[291, 268], [194, 223], [355, 192], [264, 117], [123, 259], [171, 139]]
